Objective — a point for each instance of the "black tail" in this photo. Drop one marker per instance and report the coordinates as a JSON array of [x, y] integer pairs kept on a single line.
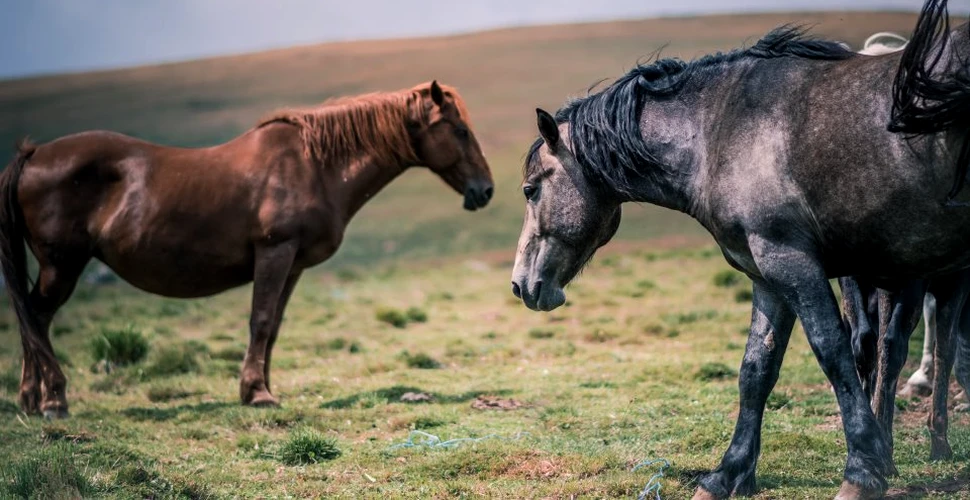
[[928, 99], [13, 255]]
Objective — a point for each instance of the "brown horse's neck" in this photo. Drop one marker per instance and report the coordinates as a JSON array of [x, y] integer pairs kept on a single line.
[[360, 180]]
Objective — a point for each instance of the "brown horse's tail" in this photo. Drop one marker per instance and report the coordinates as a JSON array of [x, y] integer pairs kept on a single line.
[[13, 254]]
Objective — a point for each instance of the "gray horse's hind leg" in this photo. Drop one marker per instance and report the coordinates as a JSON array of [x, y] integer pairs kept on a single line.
[[771, 326], [920, 383]]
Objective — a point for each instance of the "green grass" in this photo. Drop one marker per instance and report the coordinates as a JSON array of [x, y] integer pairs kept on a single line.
[[307, 446], [608, 389], [120, 347], [49, 472]]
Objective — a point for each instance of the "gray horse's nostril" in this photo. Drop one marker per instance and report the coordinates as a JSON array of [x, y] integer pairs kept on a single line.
[[488, 193], [516, 290]]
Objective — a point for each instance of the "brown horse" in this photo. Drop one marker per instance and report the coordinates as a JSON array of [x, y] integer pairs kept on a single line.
[[195, 222]]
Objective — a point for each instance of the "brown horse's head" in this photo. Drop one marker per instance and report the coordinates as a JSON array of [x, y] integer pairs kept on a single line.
[[444, 142]]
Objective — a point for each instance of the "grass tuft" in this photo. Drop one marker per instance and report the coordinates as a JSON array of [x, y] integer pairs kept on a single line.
[[174, 360], [336, 344], [307, 446], [540, 333], [122, 347], [419, 360], [728, 278], [417, 315], [714, 371], [391, 316]]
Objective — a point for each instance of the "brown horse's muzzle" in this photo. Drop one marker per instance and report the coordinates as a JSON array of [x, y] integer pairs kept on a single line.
[[478, 194]]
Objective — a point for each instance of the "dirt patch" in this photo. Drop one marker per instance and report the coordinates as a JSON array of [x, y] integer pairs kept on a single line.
[[918, 409], [534, 465], [925, 489], [831, 423], [497, 403]]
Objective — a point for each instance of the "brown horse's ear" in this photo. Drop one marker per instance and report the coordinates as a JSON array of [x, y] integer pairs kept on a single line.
[[437, 95], [547, 127]]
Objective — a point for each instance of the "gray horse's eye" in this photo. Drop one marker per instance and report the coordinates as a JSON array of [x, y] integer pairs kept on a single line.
[[529, 191]]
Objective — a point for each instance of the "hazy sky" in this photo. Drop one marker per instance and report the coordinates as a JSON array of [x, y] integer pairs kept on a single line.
[[44, 36]]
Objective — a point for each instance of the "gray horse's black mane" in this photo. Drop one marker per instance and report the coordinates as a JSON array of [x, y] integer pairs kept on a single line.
[[605, 127]]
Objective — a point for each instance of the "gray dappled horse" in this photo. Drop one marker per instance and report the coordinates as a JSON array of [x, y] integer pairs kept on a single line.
[[861, 175]]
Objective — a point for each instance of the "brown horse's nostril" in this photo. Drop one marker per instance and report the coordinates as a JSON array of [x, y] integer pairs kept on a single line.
[[488, 193], [516, 290]]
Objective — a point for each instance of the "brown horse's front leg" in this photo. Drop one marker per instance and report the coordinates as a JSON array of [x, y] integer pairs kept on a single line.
[[271, 278], [280, 307]]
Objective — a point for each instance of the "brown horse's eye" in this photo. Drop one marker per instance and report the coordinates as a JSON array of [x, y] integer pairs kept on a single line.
[[529, 190], [461, 132]]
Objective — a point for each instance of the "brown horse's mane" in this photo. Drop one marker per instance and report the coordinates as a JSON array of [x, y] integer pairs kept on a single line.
[[341, 128]]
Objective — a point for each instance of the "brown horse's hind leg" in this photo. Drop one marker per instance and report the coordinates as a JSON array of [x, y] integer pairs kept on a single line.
[[271, 281], [54, 286]]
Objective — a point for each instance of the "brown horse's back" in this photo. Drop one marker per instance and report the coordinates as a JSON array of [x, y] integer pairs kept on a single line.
[[172, 221]]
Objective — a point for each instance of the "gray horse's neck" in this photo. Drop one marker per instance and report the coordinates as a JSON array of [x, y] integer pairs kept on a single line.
[[678, 132]]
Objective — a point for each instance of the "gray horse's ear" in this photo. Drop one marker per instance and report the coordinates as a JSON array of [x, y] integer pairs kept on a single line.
[[547, 127], [437, 95]]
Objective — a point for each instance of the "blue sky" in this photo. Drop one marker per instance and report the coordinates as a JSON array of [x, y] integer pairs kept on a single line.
[[52, 36]]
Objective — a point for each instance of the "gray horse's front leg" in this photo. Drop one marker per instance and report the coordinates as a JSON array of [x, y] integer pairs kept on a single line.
[[771, 326]]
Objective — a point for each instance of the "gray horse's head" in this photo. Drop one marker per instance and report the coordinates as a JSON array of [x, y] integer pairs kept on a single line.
[[566, 219]]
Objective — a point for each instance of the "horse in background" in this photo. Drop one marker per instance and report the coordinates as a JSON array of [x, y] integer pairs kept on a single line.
[[188, 223]]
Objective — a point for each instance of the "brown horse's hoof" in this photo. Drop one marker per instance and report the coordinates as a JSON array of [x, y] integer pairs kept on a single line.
[[264, 400], [702, 494], [56, 413], [850, 491]]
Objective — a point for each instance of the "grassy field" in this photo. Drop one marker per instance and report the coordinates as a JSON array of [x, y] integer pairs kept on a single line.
[[640, 364]]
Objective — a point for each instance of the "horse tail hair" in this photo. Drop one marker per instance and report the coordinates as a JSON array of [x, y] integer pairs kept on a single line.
[[930, 94], [13, 254]]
